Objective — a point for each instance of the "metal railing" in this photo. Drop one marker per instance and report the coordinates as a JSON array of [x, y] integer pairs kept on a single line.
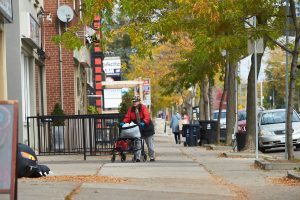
[[90, 135]]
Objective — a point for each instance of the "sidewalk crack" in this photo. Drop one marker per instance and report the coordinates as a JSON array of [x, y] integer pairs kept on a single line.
[[75, 191]]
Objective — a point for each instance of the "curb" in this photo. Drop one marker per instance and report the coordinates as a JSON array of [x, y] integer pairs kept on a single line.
[[293, 175], [217, 147], [276, 165]]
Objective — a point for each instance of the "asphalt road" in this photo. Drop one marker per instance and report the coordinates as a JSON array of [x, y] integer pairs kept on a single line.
[[280, 152]]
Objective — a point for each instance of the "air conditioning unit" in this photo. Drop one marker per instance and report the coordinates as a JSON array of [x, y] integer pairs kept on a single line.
[[30, 30]]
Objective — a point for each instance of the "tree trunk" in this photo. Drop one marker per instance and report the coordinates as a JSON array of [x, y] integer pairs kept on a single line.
[[210, 96], [298, 100], [222, 100], [289, 132], [289, 128], [205, 98], [250, 118], [231, 103]]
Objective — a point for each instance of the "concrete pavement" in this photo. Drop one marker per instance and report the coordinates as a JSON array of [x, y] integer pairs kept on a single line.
[[179, 173]]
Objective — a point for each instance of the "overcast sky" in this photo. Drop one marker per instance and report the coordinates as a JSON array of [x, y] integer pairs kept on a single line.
[[244, 67]]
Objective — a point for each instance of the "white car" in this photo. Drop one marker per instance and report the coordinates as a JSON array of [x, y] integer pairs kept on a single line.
[[222, 120], [271, 129]]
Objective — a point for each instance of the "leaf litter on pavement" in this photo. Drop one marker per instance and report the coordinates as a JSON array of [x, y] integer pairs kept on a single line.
[[284, 181], [81, 178]]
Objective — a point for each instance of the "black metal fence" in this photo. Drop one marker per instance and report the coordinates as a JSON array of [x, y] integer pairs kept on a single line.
[[88, 134]]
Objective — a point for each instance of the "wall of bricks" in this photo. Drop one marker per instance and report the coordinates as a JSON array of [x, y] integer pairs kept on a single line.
[[53, 81]]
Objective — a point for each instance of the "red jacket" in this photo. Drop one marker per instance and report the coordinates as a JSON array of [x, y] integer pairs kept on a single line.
[[143, 111]]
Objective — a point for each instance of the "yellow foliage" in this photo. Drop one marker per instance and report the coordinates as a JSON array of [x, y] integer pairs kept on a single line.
[[155, 69]]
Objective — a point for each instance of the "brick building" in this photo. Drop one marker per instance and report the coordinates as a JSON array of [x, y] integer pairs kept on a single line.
[[66, 71]]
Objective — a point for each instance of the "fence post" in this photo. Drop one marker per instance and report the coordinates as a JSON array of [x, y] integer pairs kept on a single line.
[[28, 138], [39, 132], [84, 145], [90, 134]]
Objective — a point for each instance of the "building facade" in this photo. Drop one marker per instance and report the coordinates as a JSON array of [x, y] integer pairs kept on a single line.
[[23, 42], [66, 70], [6, 16]]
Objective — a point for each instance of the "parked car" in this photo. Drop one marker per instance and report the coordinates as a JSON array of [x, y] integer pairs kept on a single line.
[[241, 118], [222, 120], [271, 129]]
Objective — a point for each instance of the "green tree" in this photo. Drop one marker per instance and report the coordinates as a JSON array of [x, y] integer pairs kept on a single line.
[[57, 112], [126, 101]]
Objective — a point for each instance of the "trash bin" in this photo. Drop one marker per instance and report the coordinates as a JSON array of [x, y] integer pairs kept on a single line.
[[240, 140], [191, 134], [208, 131], [223, 135], [185, 128]]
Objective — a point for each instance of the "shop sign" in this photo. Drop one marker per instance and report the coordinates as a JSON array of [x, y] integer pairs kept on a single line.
[[112, 66]]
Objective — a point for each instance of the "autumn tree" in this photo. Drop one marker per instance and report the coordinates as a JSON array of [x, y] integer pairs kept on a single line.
[[217, 26]]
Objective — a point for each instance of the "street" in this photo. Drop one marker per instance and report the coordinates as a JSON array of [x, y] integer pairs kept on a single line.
[[280, 152]]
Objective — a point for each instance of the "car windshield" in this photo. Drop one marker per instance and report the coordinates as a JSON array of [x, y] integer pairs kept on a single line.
[[276, 117], [223, 115]]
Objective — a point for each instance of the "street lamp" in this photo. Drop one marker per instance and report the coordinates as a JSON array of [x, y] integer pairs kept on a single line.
[[286, 72]]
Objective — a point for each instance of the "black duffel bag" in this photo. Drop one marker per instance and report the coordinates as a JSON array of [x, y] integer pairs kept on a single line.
[[27, 163], [148, 130]]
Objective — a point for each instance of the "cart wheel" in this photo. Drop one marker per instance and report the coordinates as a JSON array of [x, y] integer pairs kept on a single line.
[[145, 158], [113, 158], [123, 158]]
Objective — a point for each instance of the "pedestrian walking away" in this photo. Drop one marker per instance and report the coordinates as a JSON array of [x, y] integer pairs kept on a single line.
[[174, 125], [139, 114]]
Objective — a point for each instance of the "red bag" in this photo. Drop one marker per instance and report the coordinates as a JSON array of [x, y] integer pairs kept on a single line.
[[121, 145]]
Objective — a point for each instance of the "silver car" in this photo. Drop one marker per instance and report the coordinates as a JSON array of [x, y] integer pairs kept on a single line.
[[271, 129]]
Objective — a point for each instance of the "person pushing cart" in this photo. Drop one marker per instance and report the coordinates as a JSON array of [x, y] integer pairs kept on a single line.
[[139, 114]]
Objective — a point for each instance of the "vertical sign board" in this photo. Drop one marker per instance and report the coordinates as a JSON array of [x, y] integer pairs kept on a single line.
[[8, 149], [147, 92]]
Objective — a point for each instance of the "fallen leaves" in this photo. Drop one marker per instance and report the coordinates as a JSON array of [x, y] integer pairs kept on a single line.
[[83, 178], [285, 181]]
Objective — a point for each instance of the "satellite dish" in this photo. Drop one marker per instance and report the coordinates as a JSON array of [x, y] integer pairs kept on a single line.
[[65, 13]]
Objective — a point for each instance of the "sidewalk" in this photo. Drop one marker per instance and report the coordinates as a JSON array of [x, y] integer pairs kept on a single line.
[[179, 173]]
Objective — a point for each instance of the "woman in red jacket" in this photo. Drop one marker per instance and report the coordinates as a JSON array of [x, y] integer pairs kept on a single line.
[[139, 114]]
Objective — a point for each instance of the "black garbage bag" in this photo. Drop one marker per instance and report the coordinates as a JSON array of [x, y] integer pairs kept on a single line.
[[27, 163]]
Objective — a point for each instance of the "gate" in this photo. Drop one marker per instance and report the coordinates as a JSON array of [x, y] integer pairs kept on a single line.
[[90, 135]]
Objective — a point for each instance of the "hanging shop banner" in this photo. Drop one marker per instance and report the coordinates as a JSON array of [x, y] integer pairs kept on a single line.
[[112, 66], [8, 148]]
